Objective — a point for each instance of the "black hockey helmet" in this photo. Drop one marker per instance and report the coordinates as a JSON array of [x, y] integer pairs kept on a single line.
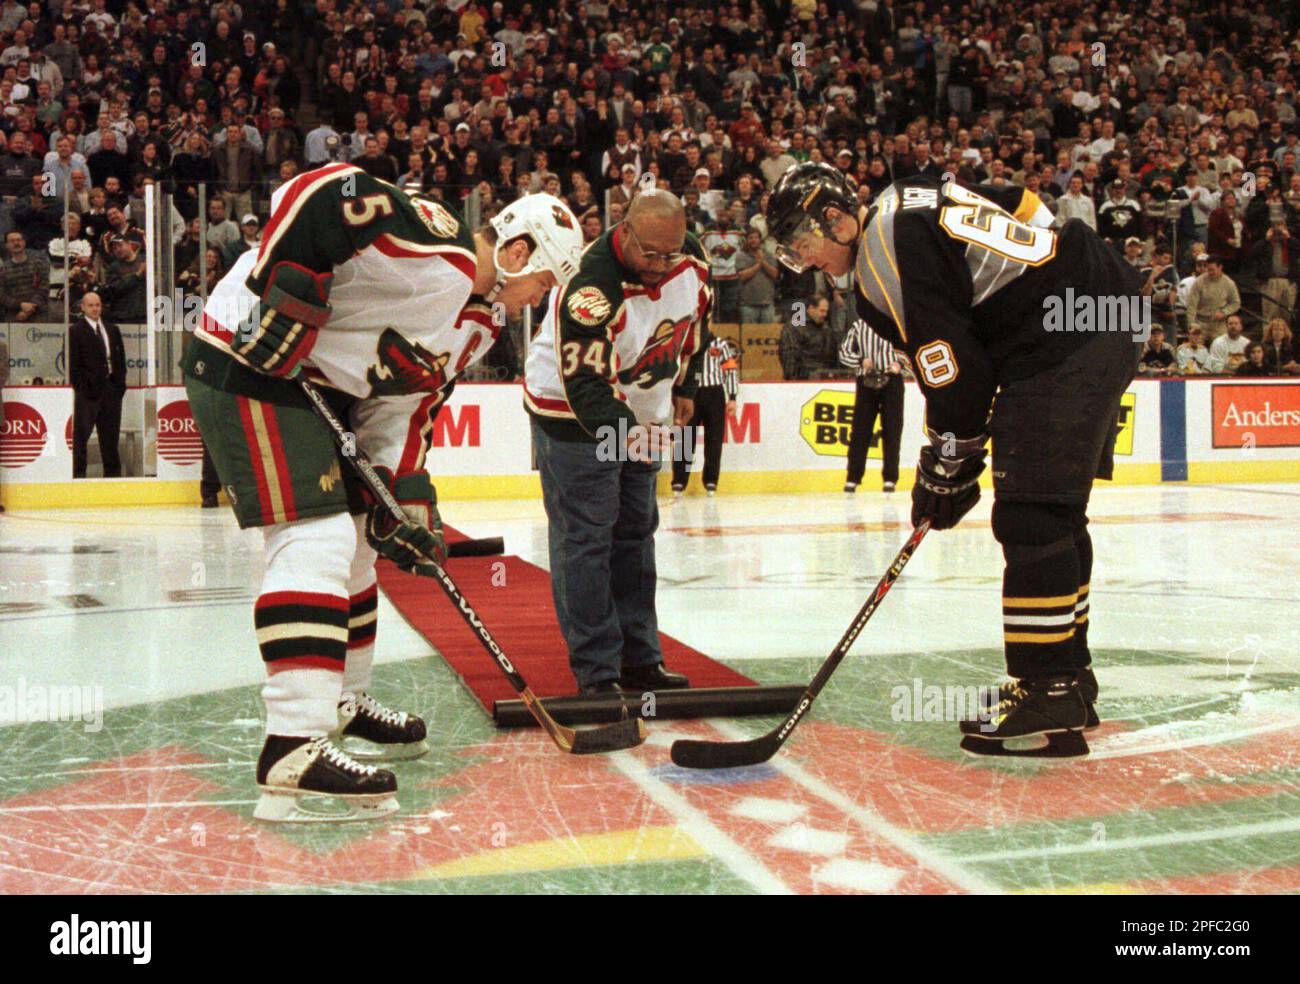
[[798, 203]]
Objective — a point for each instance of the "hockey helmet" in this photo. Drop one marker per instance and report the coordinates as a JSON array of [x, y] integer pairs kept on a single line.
[[797, 207], [549, 223]]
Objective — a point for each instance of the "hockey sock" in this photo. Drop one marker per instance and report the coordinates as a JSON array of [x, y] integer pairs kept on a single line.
[[301, 618], [1039, 589], [1082, 547], [363, 609], [363, 614]]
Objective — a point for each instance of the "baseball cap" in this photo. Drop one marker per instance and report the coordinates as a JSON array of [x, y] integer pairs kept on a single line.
[[462, 126], [1131, 240], [250, 217], [702, 172], [1117, 183]]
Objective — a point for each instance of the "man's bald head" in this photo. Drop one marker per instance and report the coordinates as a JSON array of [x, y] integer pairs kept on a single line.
[[656, 206], [656, 222]]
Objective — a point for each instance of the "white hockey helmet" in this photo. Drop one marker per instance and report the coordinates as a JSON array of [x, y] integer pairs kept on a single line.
[[553, 229]]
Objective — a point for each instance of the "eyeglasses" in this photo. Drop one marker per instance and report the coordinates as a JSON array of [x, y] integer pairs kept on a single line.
[[653, 256]]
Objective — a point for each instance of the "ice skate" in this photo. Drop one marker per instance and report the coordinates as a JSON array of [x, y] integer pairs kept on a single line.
[[311, 780], [371, 732], [1050, 713], [1088, 689]]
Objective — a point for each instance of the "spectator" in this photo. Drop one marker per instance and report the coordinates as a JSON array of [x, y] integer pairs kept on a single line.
[[1119, 215], [1074, 204], [1253, 363], [1157, 357], [108, 161], [250, 237], [374, 163], [1228, 351], [123, 290], [282, 142], [221, 232], [1161, 278], [24, 281], [775, 164], [39, 215], [756, 270], [1193, 356], [1275, 263], [79, 253], [237, 171], [1223, 231], [1212, 299], [17, 168], [97, 371], [1279, 353], [807, 345], [722, 244]]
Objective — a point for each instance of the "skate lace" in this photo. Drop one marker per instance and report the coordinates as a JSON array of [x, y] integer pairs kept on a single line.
[[336, 756], [1014, 694], [374, 709]]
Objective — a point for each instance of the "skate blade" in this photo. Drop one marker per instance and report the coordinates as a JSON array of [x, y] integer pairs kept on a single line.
[[1055, 744], [294, 806], [370, 751]]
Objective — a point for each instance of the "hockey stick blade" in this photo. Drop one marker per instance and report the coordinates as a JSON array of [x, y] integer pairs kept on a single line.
[[488, 546], [694, 754], [691, 754], [609, 738]]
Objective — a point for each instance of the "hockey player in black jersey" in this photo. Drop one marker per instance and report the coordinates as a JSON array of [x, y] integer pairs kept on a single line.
[[1016, 333]]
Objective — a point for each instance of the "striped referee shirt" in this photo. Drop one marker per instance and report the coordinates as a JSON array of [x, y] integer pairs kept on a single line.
[[860, 342], [721, 367]]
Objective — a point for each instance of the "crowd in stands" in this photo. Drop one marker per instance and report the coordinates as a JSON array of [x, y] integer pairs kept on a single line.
[[1170, 126]]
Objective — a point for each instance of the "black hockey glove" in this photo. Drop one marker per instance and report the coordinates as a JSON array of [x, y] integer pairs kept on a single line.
[[947, 487], [416, 544]]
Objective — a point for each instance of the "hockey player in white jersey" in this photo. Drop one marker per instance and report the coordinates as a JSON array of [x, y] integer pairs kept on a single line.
[[383, 300]]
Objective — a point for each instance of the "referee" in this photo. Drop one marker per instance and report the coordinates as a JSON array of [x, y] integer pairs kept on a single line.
[[879, 391], [715, 401]]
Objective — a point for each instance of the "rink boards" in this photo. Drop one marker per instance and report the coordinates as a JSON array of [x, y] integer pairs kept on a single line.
[[786, 437]]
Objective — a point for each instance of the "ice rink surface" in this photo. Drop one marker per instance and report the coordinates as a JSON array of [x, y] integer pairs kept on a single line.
[[1191, 786]]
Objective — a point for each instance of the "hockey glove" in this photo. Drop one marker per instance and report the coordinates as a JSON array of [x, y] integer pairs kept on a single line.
[[416, 544], [281, 331], [947, 487]]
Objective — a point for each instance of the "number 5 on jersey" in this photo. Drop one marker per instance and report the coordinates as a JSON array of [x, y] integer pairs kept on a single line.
[[592, 356]]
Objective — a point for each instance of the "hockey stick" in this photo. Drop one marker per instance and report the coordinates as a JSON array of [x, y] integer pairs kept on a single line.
[[625, 734], [731, 754], [488, 546]]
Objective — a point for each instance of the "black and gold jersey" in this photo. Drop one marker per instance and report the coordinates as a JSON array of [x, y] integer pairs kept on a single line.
[[972, 285]]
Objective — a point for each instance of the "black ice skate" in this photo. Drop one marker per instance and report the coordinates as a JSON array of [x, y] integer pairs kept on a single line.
[[311, 780], [371, 732], [1088, 688], [1050, 711]]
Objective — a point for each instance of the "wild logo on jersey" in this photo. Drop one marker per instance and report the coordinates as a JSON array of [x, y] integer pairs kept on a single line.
[[659, 359], [589, 306], [436, 217], [405, 367]]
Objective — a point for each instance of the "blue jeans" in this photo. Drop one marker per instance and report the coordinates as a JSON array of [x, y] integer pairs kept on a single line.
[[601, 516]]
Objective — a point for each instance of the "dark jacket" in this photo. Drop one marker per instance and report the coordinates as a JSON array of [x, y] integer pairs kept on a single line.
[[87, 366]]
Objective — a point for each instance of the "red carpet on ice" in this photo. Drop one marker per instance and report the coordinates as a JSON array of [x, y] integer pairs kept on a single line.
[[518, 611]]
